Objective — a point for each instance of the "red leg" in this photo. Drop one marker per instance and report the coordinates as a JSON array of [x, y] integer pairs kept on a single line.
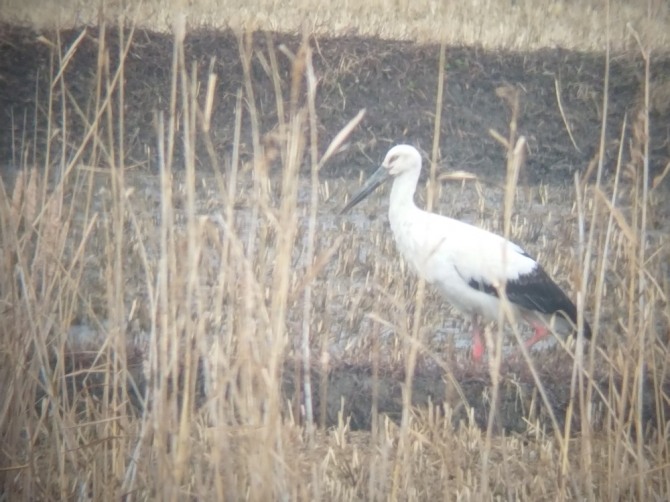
[[540, 333], [478, 346]]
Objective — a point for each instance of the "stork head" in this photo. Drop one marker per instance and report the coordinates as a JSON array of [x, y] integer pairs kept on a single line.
[[399, 160]]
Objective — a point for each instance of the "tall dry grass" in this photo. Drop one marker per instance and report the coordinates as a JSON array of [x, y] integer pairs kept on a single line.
[[190, 403], [492, 24]]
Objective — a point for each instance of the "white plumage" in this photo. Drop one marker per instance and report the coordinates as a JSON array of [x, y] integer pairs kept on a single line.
[[467, 264]]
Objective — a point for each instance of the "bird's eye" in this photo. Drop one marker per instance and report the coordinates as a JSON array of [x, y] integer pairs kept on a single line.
[[393, 159]]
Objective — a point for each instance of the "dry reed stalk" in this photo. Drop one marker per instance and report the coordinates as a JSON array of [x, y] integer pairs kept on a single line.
[[224, 316]]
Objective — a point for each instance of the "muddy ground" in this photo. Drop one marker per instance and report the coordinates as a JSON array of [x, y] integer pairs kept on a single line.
[[396, 83]]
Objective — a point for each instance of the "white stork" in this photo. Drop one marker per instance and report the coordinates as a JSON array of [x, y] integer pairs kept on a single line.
[[467, 264]]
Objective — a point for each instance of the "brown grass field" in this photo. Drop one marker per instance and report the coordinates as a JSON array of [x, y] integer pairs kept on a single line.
[[511, 24], [184, 316]]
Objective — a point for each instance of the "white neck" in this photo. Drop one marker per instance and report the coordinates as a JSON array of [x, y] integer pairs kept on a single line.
[[402, 192]]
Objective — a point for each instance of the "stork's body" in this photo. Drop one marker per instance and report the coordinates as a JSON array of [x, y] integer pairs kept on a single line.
[[467, 264]]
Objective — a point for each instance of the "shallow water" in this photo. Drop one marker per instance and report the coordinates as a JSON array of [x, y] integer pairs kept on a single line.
[[366, 276]]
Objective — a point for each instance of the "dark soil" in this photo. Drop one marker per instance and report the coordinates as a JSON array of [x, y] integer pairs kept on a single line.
[[396, 82], [363, 395]]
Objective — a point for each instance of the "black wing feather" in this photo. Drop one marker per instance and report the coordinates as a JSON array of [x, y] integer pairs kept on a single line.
[[535, 291]]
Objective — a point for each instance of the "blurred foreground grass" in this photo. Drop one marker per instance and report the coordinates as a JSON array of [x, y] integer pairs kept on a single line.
[[233, 295]]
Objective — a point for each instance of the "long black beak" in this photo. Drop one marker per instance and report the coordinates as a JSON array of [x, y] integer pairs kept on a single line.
[[380, 176]]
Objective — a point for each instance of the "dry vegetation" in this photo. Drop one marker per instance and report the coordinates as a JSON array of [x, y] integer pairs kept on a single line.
[[148, 328], [515, 24]]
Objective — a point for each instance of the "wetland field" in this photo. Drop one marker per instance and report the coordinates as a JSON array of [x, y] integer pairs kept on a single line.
[[185, 315]]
